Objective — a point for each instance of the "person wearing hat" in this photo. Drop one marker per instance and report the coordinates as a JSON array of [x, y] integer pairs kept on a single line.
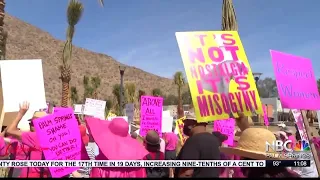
[[201, 145], [251, 146], [29, 139], [291, 137], [152, 143], [115, 143]]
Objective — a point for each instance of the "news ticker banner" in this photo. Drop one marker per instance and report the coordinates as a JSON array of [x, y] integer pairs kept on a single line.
[[155, 163]]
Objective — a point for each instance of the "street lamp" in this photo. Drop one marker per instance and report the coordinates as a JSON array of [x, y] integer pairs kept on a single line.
[[256, 77], [121, 69]]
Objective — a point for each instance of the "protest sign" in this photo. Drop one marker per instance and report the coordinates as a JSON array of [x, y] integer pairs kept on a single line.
[[130, 112], [265, 115], [179, 125], [59, 109], [22, 80], [225, 127], [150, 114], [78, 108], [95, 108], [167, 122], [299, 122], [290, 71], [59, 132], [219, 75]]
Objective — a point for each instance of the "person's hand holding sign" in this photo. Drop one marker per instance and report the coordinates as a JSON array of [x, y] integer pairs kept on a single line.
[[13, 127], [242, 121], [23, 108]]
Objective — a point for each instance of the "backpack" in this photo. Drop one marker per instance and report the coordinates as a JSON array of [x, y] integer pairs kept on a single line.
[[157, 172]]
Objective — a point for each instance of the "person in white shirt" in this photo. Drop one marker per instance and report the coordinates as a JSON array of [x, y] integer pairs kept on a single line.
[[162, 145]]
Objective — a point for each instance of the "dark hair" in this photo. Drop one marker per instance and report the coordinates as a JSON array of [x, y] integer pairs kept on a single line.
[[221, 137], [153, 148], [298, 137], [268, 172]]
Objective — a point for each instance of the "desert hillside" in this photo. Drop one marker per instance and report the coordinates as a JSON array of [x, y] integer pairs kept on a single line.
[[28, 42]]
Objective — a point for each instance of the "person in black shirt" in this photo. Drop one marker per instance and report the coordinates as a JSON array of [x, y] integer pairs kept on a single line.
[[200, 145]]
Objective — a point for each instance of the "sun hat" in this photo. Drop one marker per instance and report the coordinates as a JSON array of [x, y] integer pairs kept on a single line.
[[152, 138], [281, 133], [113, 139], [252, 144], [38, 114], [287, 130], [190, 116]]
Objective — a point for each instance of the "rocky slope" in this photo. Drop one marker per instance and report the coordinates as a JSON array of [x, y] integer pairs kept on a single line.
[[28, 42]]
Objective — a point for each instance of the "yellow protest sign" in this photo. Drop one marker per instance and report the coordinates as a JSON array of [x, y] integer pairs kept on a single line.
[[110, 114], [219, 75], [179, 126]]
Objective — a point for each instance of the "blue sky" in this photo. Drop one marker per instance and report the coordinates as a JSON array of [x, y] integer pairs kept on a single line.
[[140, 33]]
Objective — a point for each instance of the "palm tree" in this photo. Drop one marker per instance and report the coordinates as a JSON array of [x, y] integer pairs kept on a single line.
[[141, 93], [74, 95], [131, 92], [74, 13], [116, 94], [156, 92], [229, 20], [95, 84], [180, 82]]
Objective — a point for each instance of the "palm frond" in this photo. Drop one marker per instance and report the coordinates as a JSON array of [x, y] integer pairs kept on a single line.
[[101, 2], [229, 19], [74, 12]]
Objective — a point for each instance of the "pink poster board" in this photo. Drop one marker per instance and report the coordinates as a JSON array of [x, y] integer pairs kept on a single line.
[[265, 115], [150, 114], [59, 109], [59, 132], [225, 127], [296, 81]]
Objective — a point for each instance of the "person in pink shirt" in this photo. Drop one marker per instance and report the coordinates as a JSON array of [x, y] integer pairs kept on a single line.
[[115, 143], [290, 136], [171, 140], [29, 139]]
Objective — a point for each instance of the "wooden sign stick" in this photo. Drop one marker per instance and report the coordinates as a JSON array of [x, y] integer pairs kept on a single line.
[[313, 148]]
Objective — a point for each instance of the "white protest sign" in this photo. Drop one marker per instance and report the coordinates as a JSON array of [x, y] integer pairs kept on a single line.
[[95, 108], [124, 117], [167, 122], [79, 108], [130, 112], [22, 80]]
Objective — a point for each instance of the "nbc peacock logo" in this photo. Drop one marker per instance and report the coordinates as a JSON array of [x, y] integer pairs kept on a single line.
[[302, 146]]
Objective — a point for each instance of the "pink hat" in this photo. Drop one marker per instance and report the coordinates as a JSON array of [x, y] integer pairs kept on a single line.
[[113, 139]]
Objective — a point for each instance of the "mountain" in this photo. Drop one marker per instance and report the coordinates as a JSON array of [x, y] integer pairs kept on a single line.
[[28, 42]]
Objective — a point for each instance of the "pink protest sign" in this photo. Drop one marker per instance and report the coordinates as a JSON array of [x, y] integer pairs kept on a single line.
[[265, 115], [59, 109], [59, 132], [225, 127], [150, 114], [296, 82], [299, 122]]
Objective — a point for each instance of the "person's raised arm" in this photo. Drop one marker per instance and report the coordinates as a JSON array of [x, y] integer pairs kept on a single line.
[[242, 122], [13, 128]]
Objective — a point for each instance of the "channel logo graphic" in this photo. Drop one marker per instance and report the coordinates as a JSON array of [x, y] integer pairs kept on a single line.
[[302, 146]]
